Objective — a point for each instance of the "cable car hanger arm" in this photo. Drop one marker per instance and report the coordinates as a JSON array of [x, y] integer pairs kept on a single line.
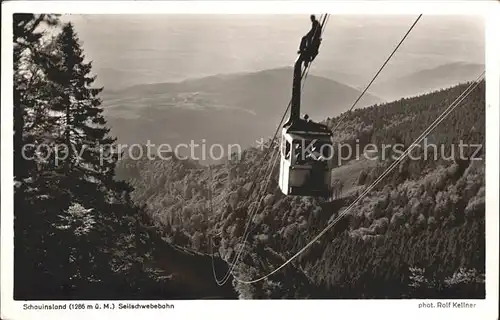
[[305, 55]]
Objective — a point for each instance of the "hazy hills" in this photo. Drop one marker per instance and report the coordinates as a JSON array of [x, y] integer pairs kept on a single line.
[[245, 107], [226, 109], [136, 49], [427, 80]]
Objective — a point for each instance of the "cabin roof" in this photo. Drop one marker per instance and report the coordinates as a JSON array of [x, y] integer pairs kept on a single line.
[[308, 127], [306, 137]]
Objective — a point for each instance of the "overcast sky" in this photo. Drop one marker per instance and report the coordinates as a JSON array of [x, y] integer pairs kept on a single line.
[[130, 49]]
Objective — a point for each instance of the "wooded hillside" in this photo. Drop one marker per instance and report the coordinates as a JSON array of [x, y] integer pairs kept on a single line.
[[420, 233]]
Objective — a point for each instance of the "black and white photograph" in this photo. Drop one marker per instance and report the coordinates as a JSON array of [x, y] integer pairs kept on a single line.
[[149, 159]]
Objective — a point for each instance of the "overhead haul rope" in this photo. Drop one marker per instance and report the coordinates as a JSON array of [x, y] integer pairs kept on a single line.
[[227, 276], [387, 171], [245, 235], [325, 19], [422, 136], [378, 72]]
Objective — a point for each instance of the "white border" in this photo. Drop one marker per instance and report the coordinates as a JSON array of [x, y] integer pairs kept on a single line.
[[368, 309], [254, 7]]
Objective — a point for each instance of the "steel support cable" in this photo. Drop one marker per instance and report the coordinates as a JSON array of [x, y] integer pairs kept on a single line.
[[325, 19], [245, 235], [378, 72], [229, 273], [422, 136]]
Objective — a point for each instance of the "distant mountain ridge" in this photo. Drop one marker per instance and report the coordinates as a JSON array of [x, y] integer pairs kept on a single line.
[[219, 82], [225, 109], [425, 81]]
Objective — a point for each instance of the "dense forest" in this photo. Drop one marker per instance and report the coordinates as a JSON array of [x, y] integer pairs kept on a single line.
[[88, 228], [78, 234], [419, 233]]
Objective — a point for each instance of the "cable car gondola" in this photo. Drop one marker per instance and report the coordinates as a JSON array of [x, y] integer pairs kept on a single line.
[[306, 148]]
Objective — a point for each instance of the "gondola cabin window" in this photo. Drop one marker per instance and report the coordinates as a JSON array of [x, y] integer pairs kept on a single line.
[[310, 151], [285, 149]]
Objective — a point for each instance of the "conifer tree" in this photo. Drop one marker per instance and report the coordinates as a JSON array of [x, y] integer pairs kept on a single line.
[[98, 209], [30, 225], [81, 171], [83, 134], [28, 32], [77, 231]]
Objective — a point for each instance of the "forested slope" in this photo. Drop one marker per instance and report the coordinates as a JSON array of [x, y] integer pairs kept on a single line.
[[88, 226], [419, 233], [77, 234]]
